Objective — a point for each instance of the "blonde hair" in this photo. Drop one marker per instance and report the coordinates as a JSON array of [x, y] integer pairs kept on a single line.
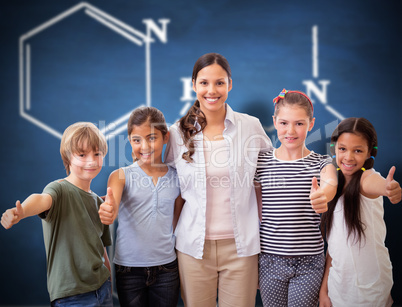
[[76, 136]]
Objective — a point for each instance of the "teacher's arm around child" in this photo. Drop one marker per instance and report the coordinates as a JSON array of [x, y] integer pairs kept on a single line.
[[358, 269], [145, 195]]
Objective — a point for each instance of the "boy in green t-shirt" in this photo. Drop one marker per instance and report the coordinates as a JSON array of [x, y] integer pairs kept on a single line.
[[78, 267]]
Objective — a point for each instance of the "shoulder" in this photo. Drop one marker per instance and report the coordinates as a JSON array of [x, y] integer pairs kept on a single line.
[[119, 174], [175, 128], [56, 185], [246, 118], [318, 156]]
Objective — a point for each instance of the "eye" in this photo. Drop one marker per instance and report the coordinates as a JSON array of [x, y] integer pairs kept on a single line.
[[203, 83], [152, 138], [220, 83], [341, 148], [300, 124], [135, 141]]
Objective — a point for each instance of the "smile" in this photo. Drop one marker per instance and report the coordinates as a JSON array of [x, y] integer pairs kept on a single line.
[[211, 99], [348, 166], [146, 155]]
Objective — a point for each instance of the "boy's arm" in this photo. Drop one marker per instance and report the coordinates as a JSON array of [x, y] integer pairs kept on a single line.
[[109, 210], [324, 298], [372, 185], [33, 205]]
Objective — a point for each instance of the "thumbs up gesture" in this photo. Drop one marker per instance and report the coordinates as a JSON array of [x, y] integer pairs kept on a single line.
[[107, 209], [392, 187], [12, 216], [318, 199]]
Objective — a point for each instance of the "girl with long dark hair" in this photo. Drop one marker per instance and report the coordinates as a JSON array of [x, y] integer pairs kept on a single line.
[[358, 268]]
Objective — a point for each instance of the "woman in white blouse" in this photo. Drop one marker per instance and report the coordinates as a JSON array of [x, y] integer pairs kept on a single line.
[[215, 151]]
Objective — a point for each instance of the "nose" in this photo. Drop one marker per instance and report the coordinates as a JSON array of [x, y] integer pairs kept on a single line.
[[91, 160], [211, 88], [349, 155], [144, 145], [291, 129]]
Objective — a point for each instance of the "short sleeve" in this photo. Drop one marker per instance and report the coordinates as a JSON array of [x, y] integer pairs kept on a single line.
[[325, 160], [54, 189]]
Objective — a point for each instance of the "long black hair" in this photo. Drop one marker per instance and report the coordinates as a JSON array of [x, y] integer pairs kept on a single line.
[[351, 193]]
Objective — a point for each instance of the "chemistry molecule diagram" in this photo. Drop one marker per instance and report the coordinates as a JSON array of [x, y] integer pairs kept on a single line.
[[120, 28], [316, 89]]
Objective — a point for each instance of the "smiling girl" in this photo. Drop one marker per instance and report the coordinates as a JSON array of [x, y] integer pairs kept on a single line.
[[145, 195], [358, 268], [294, 185]]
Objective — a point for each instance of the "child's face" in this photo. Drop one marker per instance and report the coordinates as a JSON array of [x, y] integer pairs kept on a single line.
[[292, 125], [147, 144], [86, 164], [351, 153], [212, 87]]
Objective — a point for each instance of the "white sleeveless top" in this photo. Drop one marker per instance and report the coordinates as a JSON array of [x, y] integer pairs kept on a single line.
[[361, 274]]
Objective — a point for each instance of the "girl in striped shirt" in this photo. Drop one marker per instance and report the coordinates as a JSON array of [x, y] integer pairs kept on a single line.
[[293, 186]]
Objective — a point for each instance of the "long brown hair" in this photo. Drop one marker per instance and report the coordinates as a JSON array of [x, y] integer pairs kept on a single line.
[[351, 193], [194, 114]]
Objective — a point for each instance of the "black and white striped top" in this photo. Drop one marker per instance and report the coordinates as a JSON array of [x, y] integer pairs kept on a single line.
[[290, 226]]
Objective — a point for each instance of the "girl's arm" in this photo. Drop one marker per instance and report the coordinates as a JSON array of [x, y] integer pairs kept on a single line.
[[321, 195], [324, 298], [178, 206], [373, 185], [33, 205], [109, 210]]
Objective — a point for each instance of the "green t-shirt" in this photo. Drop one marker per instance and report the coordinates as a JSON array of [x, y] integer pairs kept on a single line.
[[75, 241]]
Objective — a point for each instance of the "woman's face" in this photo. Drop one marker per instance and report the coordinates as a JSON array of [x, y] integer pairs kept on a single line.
[[212, 87]]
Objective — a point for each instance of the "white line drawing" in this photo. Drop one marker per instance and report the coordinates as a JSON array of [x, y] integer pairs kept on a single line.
[[119, 27], [311, 87]]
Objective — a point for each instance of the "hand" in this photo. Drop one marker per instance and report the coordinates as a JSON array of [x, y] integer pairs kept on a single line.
[[325, 301], [12, 216], [318, 199], [106, 210], [392, 187]]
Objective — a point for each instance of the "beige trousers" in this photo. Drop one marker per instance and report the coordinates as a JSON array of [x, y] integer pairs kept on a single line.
[[221, 273]]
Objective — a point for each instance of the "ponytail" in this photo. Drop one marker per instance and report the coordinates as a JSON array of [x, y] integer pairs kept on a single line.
[[189, 130]]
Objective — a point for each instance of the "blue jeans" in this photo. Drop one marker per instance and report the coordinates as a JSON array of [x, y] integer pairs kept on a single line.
[[98, 298], [156, 286]]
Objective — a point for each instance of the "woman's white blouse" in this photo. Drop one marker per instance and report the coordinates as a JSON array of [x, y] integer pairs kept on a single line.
[[245, 137]]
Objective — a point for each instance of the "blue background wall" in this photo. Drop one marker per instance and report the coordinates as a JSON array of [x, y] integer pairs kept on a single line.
[[81, 70]]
